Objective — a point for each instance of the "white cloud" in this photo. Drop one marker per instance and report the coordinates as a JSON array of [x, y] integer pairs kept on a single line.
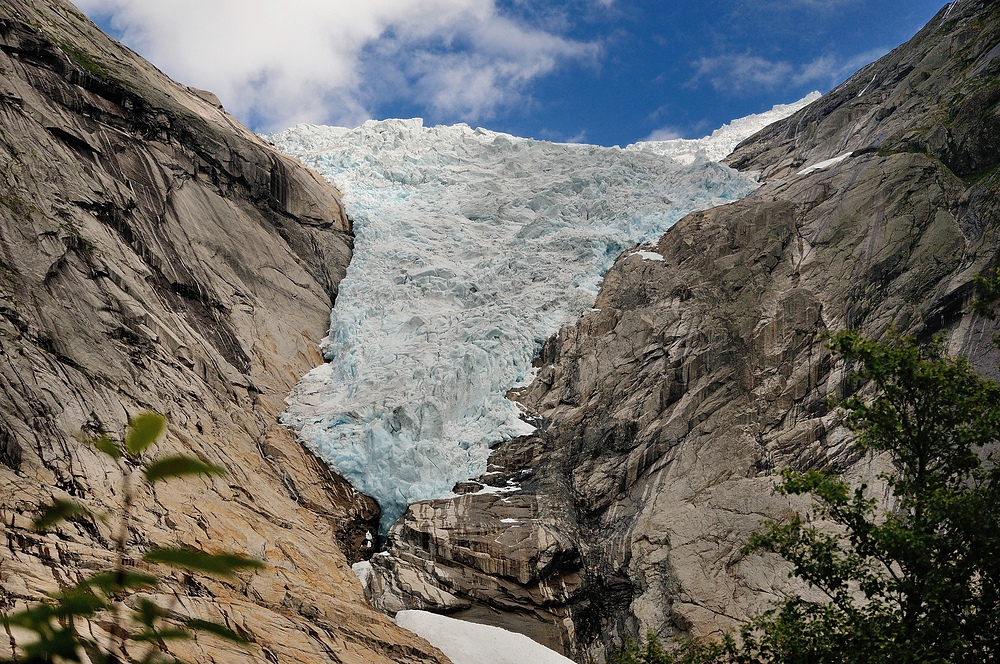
[[737, 73], [833, 70], [331, 61], [742, 73], [663, 134], [483, 69]]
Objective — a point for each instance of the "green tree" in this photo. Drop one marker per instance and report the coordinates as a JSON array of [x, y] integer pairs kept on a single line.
[[649, 652], [116, 594], [916, 579]]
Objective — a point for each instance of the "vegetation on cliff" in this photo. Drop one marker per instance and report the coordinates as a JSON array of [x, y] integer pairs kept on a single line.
[[121, 596], [915, 578]]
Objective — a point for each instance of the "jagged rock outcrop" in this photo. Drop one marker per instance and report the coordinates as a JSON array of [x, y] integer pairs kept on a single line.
[[155, 254], [480, 557], [664, 411]]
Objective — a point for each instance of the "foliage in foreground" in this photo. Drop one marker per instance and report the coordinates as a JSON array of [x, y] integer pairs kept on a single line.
[[650, 651], [916, 579], [59, 626]]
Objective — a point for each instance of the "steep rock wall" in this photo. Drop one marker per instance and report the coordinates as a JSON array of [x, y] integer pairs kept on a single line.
[[664, 412], [155, 254]]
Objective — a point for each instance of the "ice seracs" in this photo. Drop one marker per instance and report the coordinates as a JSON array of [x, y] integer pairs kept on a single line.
[[472, 247]]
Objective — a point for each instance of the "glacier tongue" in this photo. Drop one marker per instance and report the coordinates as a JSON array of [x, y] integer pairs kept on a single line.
[[472, 248]]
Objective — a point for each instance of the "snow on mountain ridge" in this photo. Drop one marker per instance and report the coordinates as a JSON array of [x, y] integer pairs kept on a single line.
[[723, 140], [472, 247]]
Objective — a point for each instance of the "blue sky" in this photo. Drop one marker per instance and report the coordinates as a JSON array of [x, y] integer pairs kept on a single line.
[[598, 71]]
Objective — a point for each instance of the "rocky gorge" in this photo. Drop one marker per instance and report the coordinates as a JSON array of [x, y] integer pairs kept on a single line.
[[664, 412]]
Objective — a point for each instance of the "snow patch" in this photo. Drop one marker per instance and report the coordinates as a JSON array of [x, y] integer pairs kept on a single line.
[[823, 165], [865, 89], [488, 489], [471, 643], [363, 570], [647, 255]]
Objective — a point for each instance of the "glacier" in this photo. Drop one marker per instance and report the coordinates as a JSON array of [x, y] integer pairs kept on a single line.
[[472, 247]]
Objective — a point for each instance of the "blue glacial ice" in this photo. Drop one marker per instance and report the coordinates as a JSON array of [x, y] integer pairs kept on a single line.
[[472, 247]]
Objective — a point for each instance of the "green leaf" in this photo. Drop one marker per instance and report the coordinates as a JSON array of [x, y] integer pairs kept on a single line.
[[108, 446], [95, 652], [154, 656], [215, 564], [112, 581], [988, 288], [78, 602], [216, 629], [179, 466], [58, 511], [63, 643], [35, 618], [156, 635], [147, 612], [143, 431]]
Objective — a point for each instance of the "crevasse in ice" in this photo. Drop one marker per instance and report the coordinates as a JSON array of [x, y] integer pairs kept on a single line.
[[472, 247]]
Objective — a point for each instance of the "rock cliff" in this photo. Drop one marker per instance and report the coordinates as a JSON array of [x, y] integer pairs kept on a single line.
[[154, 254], [664, 411]]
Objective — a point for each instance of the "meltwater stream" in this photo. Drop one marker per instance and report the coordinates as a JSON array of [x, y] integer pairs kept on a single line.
[[472, 247]]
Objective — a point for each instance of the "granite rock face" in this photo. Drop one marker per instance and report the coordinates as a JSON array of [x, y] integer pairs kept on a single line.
[[154, 254], [493, 558], [664, 412]]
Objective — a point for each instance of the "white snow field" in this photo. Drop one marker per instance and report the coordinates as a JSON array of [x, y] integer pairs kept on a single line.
[[724, 139], [471, 643], [472, 247]]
